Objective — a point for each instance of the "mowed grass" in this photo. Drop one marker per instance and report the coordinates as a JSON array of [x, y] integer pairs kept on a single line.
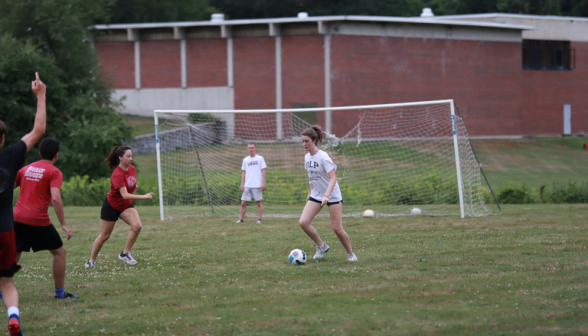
[[533, 162], [523, 273]]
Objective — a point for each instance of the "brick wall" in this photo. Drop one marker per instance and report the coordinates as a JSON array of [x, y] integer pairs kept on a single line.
[[255, 84], [484, 78], [206, 62], [303, 69], [118, 62], [161, 64], [545, 92]]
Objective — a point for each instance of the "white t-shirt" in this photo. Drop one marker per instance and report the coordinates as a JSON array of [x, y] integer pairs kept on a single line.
[[318, 168], [252, 167]]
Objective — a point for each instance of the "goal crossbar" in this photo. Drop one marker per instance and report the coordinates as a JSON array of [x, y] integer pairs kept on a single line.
[[314, 109]]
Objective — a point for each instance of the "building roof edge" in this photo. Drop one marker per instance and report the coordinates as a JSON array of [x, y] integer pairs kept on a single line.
[[391, 19]]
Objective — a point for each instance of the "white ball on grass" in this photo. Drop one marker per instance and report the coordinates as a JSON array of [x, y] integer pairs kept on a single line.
[[368, 213], [415, 211], [297, 257]]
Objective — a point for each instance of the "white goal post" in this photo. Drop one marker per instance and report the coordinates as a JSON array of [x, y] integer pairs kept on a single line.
[[394, 158]]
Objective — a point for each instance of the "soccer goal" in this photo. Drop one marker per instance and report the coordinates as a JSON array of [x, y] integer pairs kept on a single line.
[[393, 158]]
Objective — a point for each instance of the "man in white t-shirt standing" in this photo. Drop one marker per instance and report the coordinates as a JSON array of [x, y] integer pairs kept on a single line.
[[252, 181]]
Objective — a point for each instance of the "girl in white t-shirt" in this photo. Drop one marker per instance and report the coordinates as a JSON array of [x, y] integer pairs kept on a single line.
[[324, 189]]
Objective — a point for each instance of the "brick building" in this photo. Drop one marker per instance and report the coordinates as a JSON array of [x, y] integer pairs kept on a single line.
[[510, 75]]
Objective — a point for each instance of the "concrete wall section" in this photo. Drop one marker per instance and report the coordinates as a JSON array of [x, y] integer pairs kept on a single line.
[[143, 102], [303, 72], [255, 85], [482, 77], [408, 30], [548, 28], [206, 62], [118, 62], [545, 92], [161, 64]]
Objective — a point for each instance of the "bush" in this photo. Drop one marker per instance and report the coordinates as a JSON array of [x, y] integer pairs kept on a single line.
[[518, 195]]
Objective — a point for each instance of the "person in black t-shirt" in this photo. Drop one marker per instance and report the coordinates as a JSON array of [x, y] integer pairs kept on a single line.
[[11, 160]]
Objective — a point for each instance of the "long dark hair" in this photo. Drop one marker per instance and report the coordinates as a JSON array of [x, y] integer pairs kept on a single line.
[[112, 161], [314, 132]]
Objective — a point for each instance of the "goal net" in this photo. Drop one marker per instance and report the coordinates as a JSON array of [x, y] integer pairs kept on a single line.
[[393, 158]]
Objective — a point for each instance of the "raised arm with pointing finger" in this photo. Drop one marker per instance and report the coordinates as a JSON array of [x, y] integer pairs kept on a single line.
[[35, 135]]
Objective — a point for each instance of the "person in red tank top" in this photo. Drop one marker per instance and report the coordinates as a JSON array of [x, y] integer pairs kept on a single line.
[[119, 204]]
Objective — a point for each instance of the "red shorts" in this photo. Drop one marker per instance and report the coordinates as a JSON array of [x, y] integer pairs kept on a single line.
[[7, 254]]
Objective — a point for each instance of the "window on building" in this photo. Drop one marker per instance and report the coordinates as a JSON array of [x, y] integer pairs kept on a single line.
[[309, 117], [547, 55]]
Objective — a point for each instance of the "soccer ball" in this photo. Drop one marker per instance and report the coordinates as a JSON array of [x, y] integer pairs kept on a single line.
[[297, 257], [368, 213], [415, 211]]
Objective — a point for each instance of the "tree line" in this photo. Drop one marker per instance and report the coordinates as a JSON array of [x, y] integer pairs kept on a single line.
[[130, 11]]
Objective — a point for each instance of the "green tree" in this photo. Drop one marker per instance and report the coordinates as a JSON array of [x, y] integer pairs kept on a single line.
[[50, 36], [131, 11], [252, 9]]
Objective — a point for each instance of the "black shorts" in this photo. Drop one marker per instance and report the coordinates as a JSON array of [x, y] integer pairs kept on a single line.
[[109, 213], [7, 254], [319, 202], [39, 238]]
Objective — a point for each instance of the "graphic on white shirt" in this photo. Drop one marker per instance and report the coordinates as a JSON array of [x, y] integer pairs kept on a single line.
[[252, 167], [318, 167]]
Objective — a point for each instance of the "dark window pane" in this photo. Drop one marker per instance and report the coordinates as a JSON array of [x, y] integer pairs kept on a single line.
[[546, 55]]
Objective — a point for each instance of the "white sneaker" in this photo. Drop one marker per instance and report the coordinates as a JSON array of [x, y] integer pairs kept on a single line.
[[90, 264], [239, 221], [321, 250], [259, 221], [351, 257], [128, 258]]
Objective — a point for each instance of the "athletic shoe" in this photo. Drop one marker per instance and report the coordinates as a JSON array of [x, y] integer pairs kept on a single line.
[[239, 221], [90, 264], [128, 258], [14, 325], [321, 250], [259, 221], [68, 296], [351, 257]]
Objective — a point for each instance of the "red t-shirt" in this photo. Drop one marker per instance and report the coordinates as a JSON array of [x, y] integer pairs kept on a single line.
[[119, 179], [35, 182]]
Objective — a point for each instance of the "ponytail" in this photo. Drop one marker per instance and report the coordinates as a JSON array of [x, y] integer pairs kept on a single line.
[[112, 161], [314, 132]]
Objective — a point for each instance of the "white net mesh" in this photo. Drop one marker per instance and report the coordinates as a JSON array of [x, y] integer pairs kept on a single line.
[[393, 160]]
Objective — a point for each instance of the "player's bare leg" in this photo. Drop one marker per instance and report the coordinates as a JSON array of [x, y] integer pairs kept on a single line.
[[105, 231], [259, 209], [311, 209], [336, 211], [59, 266], [131, 217], [243, 210], [9, 293]]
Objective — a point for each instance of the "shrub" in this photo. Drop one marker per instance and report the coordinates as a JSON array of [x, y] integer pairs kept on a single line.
[[517, 195]]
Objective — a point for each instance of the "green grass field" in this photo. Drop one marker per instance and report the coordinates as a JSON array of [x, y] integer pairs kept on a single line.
[[523, 273]]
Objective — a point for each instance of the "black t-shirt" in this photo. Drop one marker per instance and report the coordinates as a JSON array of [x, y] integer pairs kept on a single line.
[[11, 160]]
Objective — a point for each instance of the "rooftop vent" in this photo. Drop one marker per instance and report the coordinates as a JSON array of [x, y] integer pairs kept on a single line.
[[303, 15], [427, 12], [217, 17]]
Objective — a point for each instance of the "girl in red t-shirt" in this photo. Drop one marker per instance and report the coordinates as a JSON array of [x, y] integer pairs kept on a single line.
[[119, 204]]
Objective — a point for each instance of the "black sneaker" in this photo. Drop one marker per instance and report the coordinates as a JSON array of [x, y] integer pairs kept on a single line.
[[68, 296]]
